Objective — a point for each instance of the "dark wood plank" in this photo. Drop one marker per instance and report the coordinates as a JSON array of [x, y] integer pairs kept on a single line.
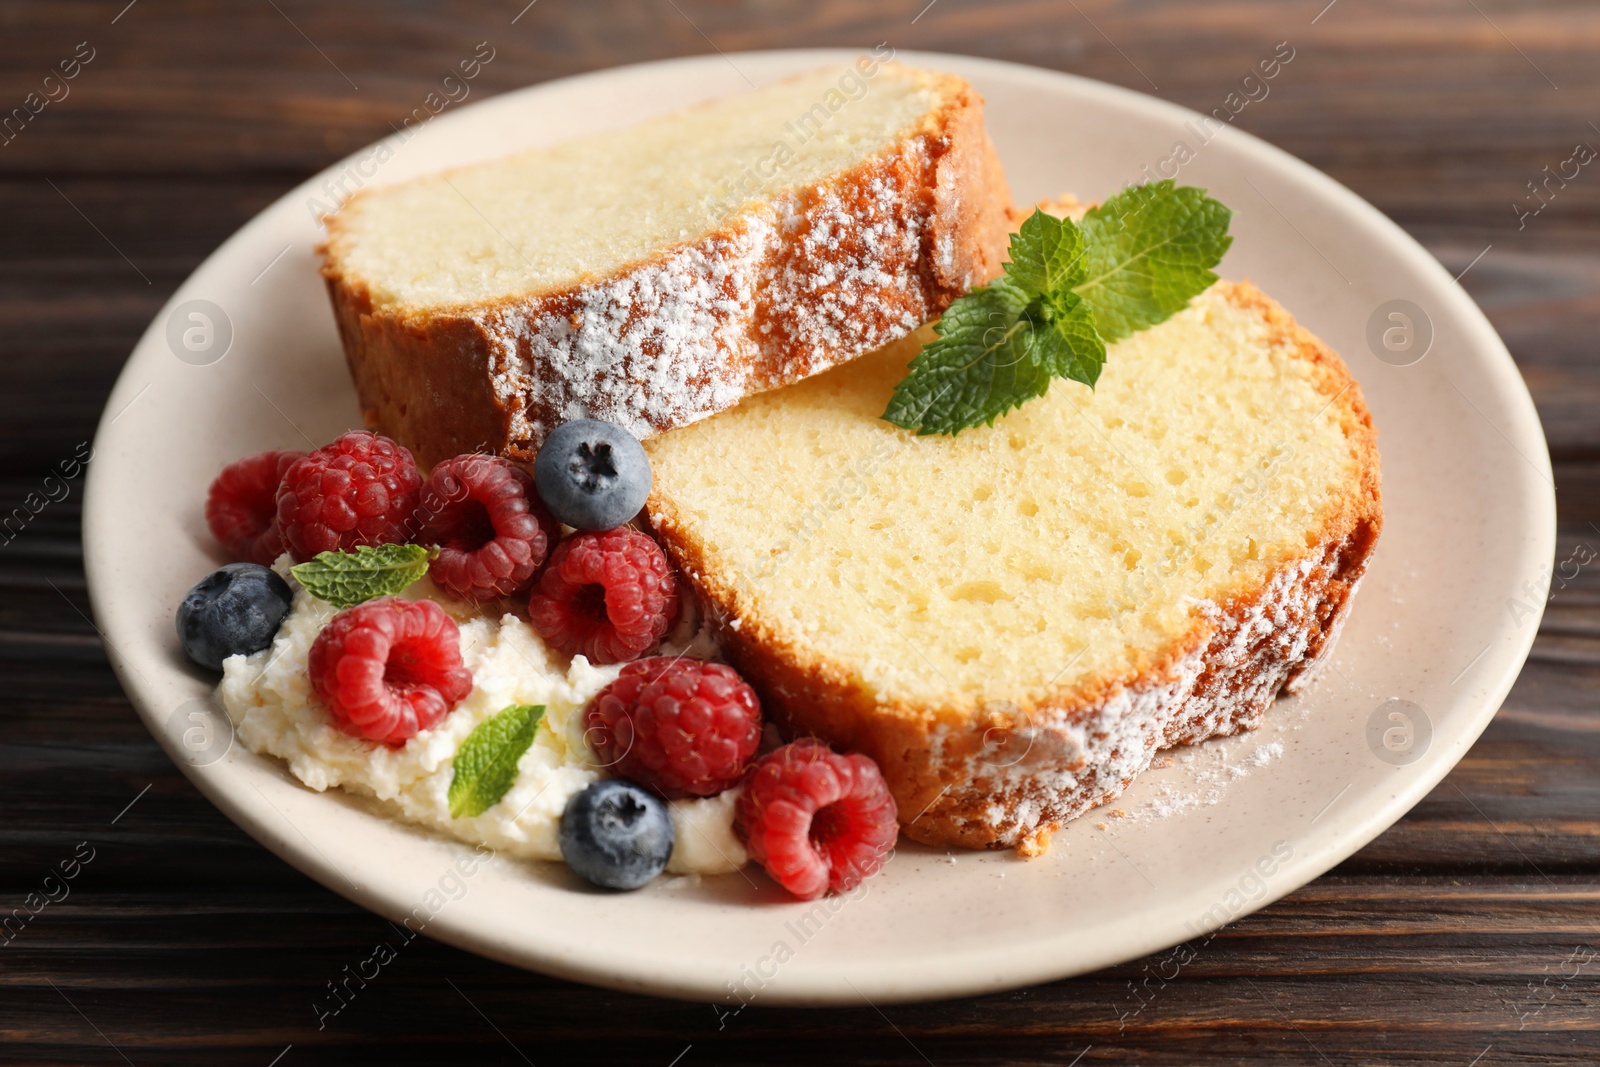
[[1254, 988]]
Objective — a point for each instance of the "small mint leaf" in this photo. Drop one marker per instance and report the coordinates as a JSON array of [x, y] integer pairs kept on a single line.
[[1068, 290], [485, 767], [1070, 345], [1047, 254], [346, 578], [981, 366], [1148, 250]]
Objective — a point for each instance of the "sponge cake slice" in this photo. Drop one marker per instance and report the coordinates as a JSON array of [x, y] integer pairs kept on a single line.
[[654, 275], [1013, 621]]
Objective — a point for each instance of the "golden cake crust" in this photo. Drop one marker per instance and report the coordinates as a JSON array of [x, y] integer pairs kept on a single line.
[[998, 774], [785, 288]]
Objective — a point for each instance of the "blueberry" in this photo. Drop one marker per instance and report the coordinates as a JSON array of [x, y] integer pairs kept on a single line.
[[592, 475], [232, 610], [616, 835]]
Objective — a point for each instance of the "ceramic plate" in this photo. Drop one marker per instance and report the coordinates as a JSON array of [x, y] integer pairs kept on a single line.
[[1432, 646]]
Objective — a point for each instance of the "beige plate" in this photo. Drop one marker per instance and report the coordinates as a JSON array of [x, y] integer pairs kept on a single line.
[[1229, 827]]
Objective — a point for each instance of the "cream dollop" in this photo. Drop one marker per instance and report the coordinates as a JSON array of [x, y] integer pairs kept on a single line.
[[268, 698]]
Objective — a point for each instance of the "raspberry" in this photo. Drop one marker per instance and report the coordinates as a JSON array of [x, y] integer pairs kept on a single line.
[[491, 530], [610, 596], [389, 668], [814, 819], [242, 505], [360, 490], [679, 727]]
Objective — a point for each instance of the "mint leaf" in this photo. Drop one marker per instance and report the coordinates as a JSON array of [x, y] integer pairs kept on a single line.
[[1047, 254], [1067, 291], [485, 766], [1071, 347], [1148, 250], [981, 366], [997, 348], [346, 578]]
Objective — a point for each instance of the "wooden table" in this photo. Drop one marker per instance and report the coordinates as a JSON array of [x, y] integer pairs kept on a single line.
[[1467, 934]]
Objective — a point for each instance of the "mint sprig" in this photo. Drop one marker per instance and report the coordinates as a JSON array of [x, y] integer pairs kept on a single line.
[[346, 578], [485, 767], [1067, 291], [1150, 249]]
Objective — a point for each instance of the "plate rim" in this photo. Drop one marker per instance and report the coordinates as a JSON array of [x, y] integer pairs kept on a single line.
[[820, 985]]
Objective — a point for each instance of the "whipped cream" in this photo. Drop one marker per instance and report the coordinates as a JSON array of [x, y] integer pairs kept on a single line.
[[268, 698]]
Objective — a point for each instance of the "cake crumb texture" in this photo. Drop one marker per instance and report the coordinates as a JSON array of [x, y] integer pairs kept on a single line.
[[1015, 620], [641, 277]]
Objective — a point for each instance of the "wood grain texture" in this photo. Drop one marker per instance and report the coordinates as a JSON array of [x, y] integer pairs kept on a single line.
[[1465, 934]]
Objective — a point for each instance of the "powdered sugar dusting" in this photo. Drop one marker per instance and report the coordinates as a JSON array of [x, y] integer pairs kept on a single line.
[[658, 344], [838, 274], [1207, 771], [1265, 754], [782, 290], [1076, 758]]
